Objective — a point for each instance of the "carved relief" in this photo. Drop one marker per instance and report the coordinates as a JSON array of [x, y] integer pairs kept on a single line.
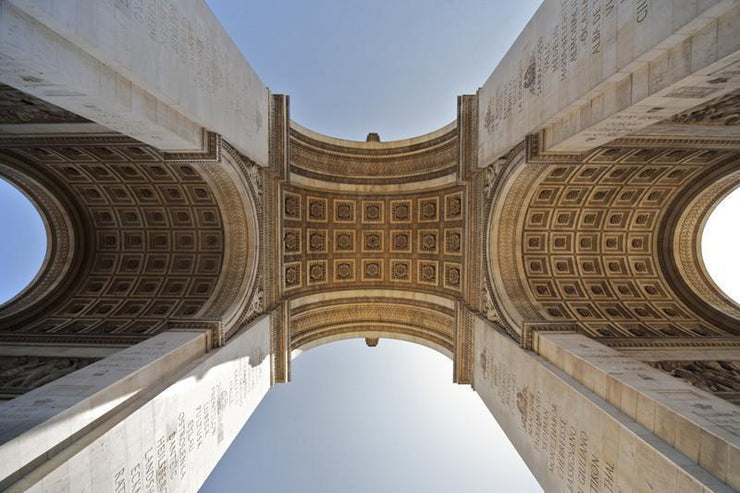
[[589, 243], [428, 272], [20, 374], [464, 358], [453, 206], [344, 211], [19, 107], [316, 209], [292, 206], [721, 378], [347, 162], [429, 210], [401, 241], [372, 211], [453, 241], [256, 305], [344, 270], [344, 240], [425, 322], [723, 111], [292, 240], [428, 241], [408, 240], [489, 308], [401, 270], [453, 275], [401, 211], [372, 269], [292, 276], [373, 241], [317, 272], [317, 240]]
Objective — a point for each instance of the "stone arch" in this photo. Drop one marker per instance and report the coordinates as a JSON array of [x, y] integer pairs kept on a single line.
[[66, 239], [681, 256], [585, 242], [367, 313], [140, 238], [373, 240], [372, 214], [509, 184], [372, 334], [237, 186]]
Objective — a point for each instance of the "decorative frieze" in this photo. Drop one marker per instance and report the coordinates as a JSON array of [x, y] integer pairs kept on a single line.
[[722, 378], [20, 374], [386, 240]]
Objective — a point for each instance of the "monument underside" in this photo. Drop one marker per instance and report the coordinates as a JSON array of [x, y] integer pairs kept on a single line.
[[547, 241]]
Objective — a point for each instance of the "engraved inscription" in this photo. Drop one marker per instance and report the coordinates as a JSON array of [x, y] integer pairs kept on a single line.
[[165, 464], [554, 432]]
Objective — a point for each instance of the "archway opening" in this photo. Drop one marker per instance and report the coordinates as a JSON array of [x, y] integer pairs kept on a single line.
[[719, 243], [365, 419], [23, 247]]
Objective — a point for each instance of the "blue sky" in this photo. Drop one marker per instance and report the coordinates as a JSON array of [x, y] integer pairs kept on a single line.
[[22, 241]]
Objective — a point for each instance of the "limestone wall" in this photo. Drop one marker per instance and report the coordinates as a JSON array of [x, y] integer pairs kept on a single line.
[[569, 437], [587, 72], [37, 422], [159, 71], [172, 437], [695, 422]]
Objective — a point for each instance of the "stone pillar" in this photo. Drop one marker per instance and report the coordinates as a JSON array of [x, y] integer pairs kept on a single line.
[[135, 67], [582, 74], [570, 437], [702, 426], [36, 423], [156, 416], [280, 353]]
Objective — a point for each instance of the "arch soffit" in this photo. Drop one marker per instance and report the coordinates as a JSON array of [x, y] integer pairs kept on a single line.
[[373, 235], [402, 314], [372, 215], [630, 190], [380, 334], [328, 163], [510, 187], [140, 214]]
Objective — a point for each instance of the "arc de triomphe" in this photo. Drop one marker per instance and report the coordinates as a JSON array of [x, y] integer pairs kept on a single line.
[[547, 241]]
